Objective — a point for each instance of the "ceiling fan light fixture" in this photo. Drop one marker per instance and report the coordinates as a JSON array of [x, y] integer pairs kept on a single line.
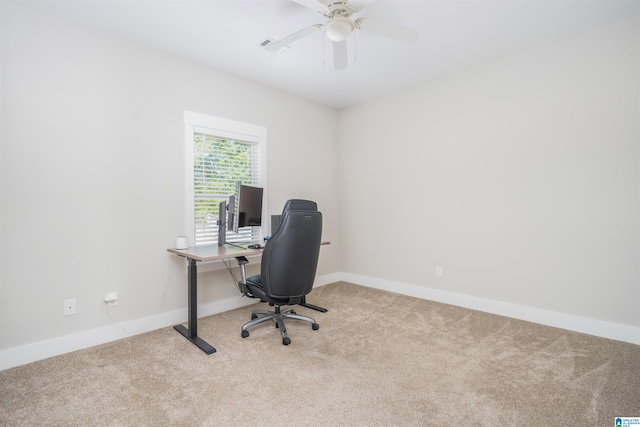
[[339, 28]]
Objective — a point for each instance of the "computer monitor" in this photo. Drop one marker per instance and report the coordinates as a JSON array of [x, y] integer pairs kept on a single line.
[[231, 213], [249, 212], [244, 209], [223, 223]]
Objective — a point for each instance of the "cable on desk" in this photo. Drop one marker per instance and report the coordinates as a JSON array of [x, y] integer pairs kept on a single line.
[[229, 269], [153, 318], [237, 246], [235, 279]]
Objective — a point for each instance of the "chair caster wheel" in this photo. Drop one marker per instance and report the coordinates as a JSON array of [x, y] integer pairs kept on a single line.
[[254, 316], [286, 341], [315, 326], [293, 312], [244, 334]]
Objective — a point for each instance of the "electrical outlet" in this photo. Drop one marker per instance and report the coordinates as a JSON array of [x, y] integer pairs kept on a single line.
[[69, 307], [439, 272], [111, 299]]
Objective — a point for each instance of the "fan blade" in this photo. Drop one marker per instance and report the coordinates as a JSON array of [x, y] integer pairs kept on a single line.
[[314, 5], [386, 29], [358, 5], [340, 56], [281, 44]]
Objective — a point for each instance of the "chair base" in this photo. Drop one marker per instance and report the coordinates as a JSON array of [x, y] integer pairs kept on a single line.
[[277, 317]]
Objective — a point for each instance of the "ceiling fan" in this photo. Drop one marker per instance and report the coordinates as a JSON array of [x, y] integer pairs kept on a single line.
[[339, 26]]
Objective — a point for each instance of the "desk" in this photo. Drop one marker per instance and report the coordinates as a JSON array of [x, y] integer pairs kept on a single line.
[[209, 253]]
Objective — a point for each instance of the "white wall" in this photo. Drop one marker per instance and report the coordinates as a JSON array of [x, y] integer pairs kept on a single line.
[[1, 138], [93, 174], [519, 177]]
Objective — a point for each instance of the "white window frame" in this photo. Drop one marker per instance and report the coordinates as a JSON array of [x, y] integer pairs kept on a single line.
[[222, 128]]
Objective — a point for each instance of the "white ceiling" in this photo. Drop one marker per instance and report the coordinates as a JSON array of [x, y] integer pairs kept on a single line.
[[454, 35]]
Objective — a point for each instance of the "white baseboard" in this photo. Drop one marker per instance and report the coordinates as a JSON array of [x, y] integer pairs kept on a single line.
[[53, 347], [326, 279], [599, 328], [44, 349]]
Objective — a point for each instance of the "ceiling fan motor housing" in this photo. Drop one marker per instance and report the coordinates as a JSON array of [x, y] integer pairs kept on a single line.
[[339, 8]]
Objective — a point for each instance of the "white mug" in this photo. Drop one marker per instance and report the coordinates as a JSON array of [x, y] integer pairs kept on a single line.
[[181, 242]]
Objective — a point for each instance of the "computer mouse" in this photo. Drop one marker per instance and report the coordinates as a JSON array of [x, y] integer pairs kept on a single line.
[[255, 246]]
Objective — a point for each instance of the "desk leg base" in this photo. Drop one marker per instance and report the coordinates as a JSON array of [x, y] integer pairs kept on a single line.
[[199, 342], [313, 307]]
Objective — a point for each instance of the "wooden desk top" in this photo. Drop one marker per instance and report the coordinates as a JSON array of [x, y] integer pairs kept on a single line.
[[215, 252]]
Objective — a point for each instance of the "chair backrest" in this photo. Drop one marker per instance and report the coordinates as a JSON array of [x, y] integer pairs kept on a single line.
[[299, 205], [290, 257]]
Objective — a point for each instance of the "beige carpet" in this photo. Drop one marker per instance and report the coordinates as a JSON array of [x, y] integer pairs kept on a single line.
[[378, 359]]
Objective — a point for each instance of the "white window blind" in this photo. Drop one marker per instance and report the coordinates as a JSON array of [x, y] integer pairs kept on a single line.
[[219, 164], [220, 153]]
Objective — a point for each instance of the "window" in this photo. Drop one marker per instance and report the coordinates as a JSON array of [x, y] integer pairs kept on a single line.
[[219, 153]]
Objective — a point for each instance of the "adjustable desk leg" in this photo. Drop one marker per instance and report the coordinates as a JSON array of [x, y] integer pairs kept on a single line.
[[191, 333], [314, 307]]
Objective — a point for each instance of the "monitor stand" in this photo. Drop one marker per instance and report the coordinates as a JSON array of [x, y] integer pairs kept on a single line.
[[222, 224]]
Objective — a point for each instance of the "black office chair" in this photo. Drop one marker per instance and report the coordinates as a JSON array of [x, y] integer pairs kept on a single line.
[[289, 263]]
